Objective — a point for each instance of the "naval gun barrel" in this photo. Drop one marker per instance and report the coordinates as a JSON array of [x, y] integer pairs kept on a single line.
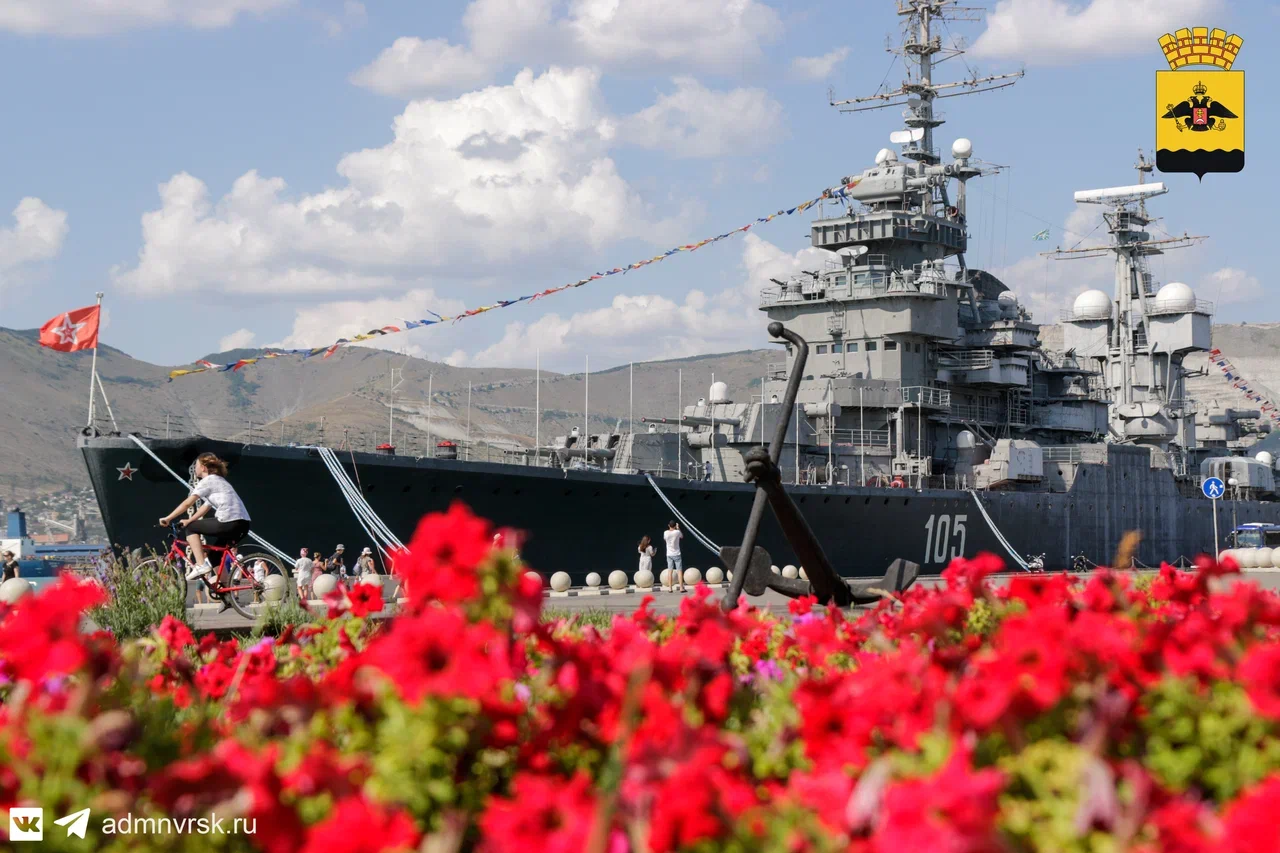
[[587, 452], [693, 420]]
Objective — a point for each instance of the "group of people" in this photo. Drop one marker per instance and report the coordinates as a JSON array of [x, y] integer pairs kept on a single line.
[[675, 563], [312, 563]]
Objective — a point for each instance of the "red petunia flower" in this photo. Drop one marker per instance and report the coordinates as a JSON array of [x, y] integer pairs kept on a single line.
[[357, 825], [365, 599]]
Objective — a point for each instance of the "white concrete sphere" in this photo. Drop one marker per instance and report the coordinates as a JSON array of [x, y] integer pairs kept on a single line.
[[274, 587], [1275, 558], [715, 574], [1265, 458], [593, 580], [962, 149], [664, 577], [1224, 553], [644, 579], [791, 572], [14, 589], [617, 579], [775, 570], [371, 578], [324, 584], [1246, 557], [1176, 296], [692, 576], [560, 581], [803, 576], [537, 576], [1092, 305], [1262, 558]]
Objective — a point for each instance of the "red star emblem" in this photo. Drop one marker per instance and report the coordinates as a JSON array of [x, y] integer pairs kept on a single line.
[[127, 472]]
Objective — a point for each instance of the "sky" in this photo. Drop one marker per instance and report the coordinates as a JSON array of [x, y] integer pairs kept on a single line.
[[236, 173]]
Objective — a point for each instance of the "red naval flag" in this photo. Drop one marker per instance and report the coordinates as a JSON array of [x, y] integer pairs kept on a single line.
[[74, 330]]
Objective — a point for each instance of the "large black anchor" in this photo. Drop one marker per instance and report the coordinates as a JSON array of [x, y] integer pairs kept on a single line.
[[752, 566]]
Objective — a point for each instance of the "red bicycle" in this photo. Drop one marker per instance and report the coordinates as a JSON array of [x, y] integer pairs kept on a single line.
[[242, 579]]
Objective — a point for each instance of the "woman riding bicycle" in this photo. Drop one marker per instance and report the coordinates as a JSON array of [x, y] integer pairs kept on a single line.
[[230, 523]]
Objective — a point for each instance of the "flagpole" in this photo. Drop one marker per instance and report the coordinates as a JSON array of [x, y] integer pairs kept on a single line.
[[93, 370], [537, 408]]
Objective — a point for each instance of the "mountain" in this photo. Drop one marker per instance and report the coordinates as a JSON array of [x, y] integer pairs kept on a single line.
[[43, 398]]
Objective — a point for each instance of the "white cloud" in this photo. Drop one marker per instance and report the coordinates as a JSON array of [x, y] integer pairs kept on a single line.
[[646, 327], [1230, 285], [1047, 32], [415, 66], [694, 121], [37, 235], [818, 67], [97, 17], [319, 325], [239, 339], [1046, 286], [723, 36], [510, 175]]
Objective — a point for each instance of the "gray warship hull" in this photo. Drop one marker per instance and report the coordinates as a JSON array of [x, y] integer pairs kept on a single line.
[[586, 521]]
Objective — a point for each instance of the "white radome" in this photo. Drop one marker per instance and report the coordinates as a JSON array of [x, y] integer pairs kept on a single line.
[[593, 579], [1176, 296], [560, 581], [617, 579], [1007, 296], [962, 149], [886, 155], [1092, 305], [1265, 458], [719, 392]]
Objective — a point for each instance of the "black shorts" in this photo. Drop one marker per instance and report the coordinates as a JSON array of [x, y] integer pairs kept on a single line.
[[216, 532]]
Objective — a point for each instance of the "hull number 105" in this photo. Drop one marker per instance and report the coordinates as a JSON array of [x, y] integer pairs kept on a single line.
[[944, 538]]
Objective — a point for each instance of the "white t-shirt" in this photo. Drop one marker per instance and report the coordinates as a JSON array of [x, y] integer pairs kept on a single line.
[[259, 571], [226, 503], [302, 568], [672, 538], [646, 558]]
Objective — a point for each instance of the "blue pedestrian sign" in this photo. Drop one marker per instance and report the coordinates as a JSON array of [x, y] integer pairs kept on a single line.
[[1213, 488]]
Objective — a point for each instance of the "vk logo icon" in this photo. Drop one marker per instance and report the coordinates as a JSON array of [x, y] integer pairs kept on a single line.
[[26, 824]]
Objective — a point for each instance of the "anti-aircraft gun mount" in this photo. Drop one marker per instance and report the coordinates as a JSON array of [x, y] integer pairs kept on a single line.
[[751, 564]]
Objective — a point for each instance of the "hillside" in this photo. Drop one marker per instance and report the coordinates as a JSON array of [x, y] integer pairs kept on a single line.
[[44, 396]]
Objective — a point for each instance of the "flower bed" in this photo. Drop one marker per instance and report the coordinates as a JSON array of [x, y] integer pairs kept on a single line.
[[1050, 714]]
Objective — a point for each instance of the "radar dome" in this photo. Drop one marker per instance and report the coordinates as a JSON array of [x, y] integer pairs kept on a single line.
[[719, 392], [965, 440], [961, 149], [886, 155], [1008, 296], [1265, 458], [1176, 296], [1092, 305]]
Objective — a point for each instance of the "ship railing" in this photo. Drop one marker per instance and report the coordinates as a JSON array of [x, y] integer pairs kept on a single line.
[[926, 396], [980, 412], [854, 437], [776, 371], [972, 359], [1202, 306], [1061, 453]]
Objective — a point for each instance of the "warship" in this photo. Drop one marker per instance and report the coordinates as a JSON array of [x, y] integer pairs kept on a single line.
[[932, 422]]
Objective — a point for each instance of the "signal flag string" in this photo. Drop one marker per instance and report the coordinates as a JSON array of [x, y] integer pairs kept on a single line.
[[405, 325], [1238, 382]]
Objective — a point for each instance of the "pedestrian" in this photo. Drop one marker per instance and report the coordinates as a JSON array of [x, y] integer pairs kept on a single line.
[[11, 568], [647, 551], [302, 570], [365, 565], [259, 578], [337, 565], [674, 562], [706, 470]]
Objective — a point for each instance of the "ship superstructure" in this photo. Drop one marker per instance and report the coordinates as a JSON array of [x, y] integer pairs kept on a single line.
[[931, 423]]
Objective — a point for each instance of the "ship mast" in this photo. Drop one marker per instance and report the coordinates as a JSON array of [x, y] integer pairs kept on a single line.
[[921, 51]]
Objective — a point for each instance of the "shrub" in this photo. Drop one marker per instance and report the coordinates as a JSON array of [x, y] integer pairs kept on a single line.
[[1052, 714]]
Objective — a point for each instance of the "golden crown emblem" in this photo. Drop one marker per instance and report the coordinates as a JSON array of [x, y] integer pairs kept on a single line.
[[1199, 46]]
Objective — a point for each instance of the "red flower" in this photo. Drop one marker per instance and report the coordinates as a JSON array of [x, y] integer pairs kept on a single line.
[[41, 637], [543, 814], [359, 826], [1259, 672], [953, 811], [441, 562], [437, 652], [214, 679], [1249, 823], [973, 572], [365, 599], [176, 635]]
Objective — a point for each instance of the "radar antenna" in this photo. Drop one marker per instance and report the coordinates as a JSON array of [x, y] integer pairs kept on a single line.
[[923, 50]]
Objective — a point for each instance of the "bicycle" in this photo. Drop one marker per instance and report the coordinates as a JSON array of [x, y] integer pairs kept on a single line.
[[233, 582]]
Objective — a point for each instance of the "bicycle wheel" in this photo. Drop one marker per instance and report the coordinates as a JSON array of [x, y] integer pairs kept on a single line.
[[175, 573], [245, 594]]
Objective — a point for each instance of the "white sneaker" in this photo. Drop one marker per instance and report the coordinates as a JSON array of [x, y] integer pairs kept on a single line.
[[199, 571]]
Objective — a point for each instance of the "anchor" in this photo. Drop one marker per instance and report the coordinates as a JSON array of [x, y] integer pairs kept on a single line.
[[752, 566]]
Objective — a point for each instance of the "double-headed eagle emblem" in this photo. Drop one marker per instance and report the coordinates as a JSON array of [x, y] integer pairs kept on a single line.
[[1199, 112]]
